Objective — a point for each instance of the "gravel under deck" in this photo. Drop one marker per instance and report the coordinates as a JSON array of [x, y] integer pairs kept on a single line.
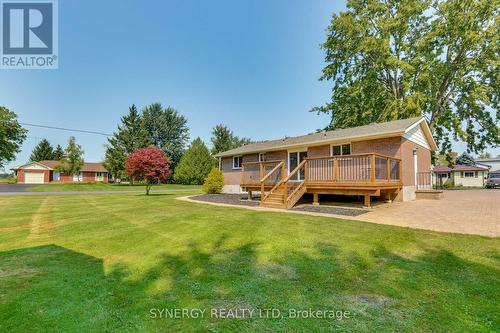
[[241, 200], [229, 199], [330, 210]]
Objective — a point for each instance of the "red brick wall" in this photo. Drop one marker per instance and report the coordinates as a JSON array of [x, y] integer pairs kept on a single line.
[[318, 151], [88, 177], [233, 176], [386, 146], [423, 160]]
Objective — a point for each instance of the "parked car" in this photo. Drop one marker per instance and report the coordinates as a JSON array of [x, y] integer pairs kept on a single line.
[[493, 180]]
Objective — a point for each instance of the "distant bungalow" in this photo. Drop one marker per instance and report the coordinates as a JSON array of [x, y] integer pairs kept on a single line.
[[44, 172]]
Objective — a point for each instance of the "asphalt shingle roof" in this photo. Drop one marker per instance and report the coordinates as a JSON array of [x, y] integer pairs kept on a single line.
[[87, 166], [391, 127]]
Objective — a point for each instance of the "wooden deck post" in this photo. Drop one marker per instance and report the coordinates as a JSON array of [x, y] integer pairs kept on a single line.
[[335, 169], [388, 169], [372, 170], [367, 201], [242, 174], [249, 195], [315, 199], [261, 192]]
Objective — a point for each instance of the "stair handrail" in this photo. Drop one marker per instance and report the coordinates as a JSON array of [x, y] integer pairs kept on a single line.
[[262, 181], [272, 171], [294, 171], [295, 191]]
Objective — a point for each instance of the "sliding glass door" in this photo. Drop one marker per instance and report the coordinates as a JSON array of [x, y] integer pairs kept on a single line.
[[294, 159]]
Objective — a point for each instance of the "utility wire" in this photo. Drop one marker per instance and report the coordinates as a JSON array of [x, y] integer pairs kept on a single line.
[[67, 129]]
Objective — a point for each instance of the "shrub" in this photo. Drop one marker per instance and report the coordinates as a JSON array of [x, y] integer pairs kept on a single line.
[[213, 182]]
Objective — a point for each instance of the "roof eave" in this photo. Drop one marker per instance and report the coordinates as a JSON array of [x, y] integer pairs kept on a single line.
[[314, 143]]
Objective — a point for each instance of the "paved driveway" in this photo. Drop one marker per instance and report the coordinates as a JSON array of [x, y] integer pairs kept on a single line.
[[12, 188], [461, 211]]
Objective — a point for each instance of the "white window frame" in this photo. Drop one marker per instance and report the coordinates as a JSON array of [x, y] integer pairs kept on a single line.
[[341, 150], [262, 159], [241, 162], [469, 174]]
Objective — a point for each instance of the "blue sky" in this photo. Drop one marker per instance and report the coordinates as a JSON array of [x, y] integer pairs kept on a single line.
[[252, 65]]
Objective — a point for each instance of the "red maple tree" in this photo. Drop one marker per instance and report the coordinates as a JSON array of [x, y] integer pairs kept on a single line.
[[149, 164]]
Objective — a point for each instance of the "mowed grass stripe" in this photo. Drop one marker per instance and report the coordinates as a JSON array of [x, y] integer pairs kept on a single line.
[[118, 256]]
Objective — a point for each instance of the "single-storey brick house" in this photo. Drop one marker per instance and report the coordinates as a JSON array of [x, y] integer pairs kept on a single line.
[[381, 159], [44, 172], [460, 175]]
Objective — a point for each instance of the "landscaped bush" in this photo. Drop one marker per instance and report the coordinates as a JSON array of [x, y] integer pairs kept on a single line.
[[213, 182], [448, 185]]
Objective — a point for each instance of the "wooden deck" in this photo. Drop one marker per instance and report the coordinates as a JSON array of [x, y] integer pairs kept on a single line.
[[361, 174]]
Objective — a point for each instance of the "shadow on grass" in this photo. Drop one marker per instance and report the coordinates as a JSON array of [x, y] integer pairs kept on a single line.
[[54, 288]]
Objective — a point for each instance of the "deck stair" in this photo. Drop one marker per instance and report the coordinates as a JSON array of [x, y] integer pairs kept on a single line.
[[286, 192]]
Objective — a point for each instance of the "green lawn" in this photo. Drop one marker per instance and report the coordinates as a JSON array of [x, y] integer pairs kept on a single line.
[[106, 262], [107, 187], [7, 180]]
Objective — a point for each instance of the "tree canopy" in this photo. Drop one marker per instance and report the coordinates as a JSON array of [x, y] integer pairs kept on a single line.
[[166, 129], [465, 159], [42, 151], [72, 160], [129, 137], [223, 139], [149, 164], [12, 135], [58, 153], [195, 164], [397, 59]]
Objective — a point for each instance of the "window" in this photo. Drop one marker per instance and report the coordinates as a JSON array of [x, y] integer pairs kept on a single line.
[[469, 174], [262, 157], [344, 149], [99, 176], [237, 162]]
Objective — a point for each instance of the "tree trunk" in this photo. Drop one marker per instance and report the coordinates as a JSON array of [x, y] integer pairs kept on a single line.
[[148, 188]]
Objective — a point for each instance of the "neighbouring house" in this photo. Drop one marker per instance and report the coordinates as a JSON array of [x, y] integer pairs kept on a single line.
[[491, 163], [44, 172], [381, 159], [460, 175]]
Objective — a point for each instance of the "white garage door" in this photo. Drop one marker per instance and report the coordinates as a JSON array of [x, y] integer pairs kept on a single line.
[[33, 178]]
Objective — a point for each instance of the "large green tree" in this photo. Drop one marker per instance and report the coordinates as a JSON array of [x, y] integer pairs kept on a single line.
[[129, 137], [166, 129], [396, 59], [114, 158], [58, 153], [72, 160], [12, 135], [223, 139], [42, 151], [195, 164]]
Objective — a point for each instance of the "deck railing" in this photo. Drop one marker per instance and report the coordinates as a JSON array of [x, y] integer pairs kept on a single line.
[[253, 172], [424, 180], [361, 168], [356, 169]]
